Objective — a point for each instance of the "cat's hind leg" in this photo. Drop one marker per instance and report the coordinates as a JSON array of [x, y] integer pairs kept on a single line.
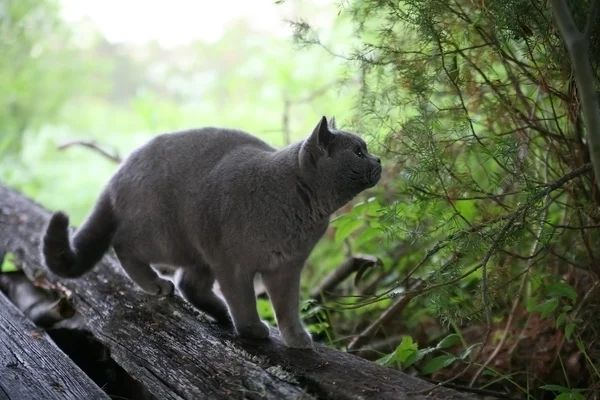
[[142, 274], [196, 286]]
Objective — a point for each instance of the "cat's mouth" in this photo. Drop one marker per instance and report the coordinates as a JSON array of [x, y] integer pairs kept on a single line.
[[374, 175]]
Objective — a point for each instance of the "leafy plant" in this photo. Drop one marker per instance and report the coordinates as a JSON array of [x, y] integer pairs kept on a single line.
[[407, 354]]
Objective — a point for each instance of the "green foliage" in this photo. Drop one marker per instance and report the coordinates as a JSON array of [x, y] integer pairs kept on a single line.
[[311, 311], [407, 353], [554, 294], [265, 310], [405, 350], [8, 264], [565, 393], [488, 192], [363, 215], [41, 68]]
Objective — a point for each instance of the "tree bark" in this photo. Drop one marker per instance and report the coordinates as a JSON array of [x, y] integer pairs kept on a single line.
[[32, 367], [175, 353]]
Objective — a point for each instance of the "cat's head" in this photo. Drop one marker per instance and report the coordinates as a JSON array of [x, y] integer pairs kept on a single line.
[[340, 159]]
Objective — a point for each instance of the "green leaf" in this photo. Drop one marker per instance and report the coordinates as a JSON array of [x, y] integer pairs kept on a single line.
[[531, 303], [569, 329], [555, 388], [561, 289], [318, 327], [9, 264], [387, 360], [369, 207], [417, 356], [468, 351], [563, 396], [546, 308], [448, 341], [575, 395], [340, 219], [345, 228], [406, 348], [570, 396], [370, 233], [438, 363], [561, 319]]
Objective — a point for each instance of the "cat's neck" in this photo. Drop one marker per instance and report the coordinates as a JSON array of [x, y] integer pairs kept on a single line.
[[314, 197]]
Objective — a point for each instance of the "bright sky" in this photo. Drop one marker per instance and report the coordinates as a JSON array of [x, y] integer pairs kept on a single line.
[[175, 22]]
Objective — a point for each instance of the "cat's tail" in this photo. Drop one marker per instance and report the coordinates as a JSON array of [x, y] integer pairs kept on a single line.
[[71, 258]]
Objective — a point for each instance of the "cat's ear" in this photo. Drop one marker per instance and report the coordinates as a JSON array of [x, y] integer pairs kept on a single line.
[[321, 135], [332, 123]]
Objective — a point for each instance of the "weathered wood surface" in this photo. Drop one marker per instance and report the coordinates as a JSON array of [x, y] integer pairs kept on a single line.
[[33, 367], [176, 354]]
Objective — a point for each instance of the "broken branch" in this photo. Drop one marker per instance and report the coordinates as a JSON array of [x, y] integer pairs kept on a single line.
[[91, 144]]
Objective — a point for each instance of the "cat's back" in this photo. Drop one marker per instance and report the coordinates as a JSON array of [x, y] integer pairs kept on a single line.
[[186, 151], [210, 142], [172, 162]]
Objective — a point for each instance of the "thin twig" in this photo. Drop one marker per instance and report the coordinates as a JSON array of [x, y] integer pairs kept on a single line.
[[343, 271], [484, 392], [486, 307], [379, 348], [397, 306], [573, 227], [534, 250], [487, 196], [91, 144]]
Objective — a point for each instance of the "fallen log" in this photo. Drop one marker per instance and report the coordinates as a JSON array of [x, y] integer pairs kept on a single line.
[[33, 367], [174, 352]]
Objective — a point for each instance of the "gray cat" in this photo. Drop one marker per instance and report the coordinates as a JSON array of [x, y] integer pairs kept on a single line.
[[220, 204]]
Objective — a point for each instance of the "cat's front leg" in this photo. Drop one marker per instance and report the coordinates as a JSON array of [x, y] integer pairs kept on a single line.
[[283, 287]]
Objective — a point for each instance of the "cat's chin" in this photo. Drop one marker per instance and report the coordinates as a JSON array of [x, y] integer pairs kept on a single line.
[[374, 178]]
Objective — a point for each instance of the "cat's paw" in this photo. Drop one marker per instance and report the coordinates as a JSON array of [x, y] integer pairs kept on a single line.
[[254, 331], [297, 340], [163, 287]]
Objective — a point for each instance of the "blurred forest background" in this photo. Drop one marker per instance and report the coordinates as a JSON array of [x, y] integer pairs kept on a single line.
[[475, 259]]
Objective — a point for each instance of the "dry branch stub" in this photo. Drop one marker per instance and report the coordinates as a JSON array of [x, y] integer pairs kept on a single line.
[[173, 352]]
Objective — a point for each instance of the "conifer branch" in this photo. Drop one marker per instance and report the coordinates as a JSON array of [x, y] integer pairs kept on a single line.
[[419, 288], [534, 250]]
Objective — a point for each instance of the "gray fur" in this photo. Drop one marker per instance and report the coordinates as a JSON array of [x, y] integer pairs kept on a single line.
[[220, 204]]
